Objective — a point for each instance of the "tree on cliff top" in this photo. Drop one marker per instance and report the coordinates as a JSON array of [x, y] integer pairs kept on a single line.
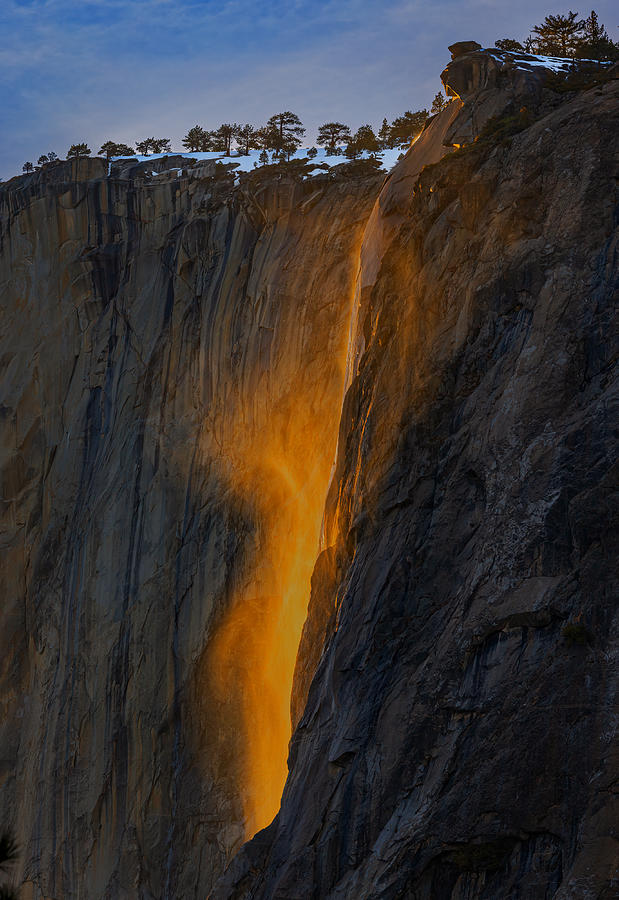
[[558, 35], [153, 145], [509, 44], [197, 139], [161, 145], [78, 150], [595, 42], [438, 104], [247, 138], [282, 134], [566, 36], [27, 167], [223, 136], [384, 135], [366, 140], [405, 128], [331, 134], [111, 148]]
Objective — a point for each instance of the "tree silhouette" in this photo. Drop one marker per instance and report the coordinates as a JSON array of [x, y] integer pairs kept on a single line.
[[406, 127], [197, 139], [111, 148], [51, 156], [509, 44], [558, 35], [27, 167], [152, 145], [384, 135], [438, 104], [124, 150], [247, 138], [144, 147], [161, 145], [78, 150], [264, 158], [352, 151], [331, 135], [222, 138], [595, 42], [366, 140], [44, 158], [283, 133]]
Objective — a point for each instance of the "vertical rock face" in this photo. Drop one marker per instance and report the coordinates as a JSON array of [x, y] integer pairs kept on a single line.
[[174, 352], [172, 368], [457, 678]]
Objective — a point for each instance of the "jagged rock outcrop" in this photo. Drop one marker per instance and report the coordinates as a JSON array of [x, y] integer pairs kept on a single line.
[[455, 735], [496, 82]]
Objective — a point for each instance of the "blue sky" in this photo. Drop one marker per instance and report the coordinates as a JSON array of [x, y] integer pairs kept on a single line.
[[125, 69]]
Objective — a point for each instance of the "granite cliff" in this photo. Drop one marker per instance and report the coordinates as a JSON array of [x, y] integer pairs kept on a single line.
[[183, 359]]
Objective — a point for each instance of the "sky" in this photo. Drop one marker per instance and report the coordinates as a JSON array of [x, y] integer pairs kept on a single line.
[[92, 70]]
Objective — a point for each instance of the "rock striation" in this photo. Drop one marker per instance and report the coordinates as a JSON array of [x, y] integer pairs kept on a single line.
[[173, 357], [183, 359]]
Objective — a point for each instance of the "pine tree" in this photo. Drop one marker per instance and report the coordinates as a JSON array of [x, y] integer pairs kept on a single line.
[[44, 158], [124, 150], [331, 135], [161, 145], [247, 139], [111, 148], [509, 44], [143, 148], [558, 35], [405, 128], [384, 135], [76, 151], [595, 42], [196, 139], [153, 145], [366, 140], [283, 133], [352, 151], [438, 104], [222, 138], [264, 158], [27, 168], [51, 156], [108, 149]]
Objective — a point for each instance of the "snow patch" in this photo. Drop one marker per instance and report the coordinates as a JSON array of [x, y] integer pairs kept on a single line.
[[554, 63], [250, 162]]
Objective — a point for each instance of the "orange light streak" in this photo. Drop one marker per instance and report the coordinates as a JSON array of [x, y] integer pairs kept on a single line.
[[279, 453], [252, 656]]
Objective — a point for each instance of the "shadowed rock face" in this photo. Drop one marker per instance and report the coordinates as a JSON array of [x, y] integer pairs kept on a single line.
[[457, 679], [155, 339]]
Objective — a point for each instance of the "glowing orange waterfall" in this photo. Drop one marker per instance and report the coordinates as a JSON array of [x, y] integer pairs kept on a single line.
[[254, 651], [283, 474]]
